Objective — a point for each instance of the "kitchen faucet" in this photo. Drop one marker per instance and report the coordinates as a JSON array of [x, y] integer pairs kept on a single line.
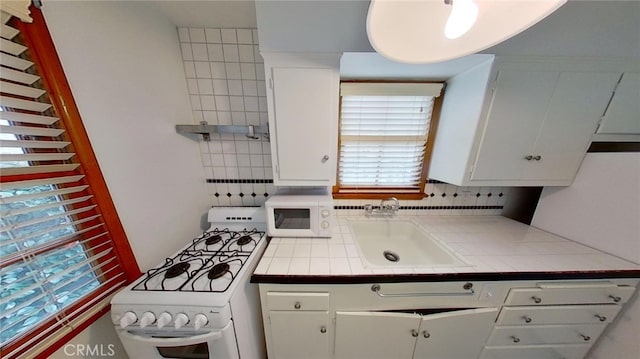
[[388, 206]]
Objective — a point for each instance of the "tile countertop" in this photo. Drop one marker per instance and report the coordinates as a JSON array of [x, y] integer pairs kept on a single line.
[[497, 248]]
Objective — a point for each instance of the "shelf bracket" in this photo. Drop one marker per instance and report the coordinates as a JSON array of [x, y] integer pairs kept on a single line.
[[206, 130]]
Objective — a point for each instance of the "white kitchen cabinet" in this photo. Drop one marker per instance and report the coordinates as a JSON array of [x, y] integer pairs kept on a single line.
[[375, 335], [623, 114], [456, 334], [555, 319], [402, 335], [300, 334], [535, 126], [302, 101], [428, 320], [298, 325]]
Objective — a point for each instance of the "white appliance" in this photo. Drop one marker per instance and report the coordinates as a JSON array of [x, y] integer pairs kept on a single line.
[[300, 215], [199, 303]]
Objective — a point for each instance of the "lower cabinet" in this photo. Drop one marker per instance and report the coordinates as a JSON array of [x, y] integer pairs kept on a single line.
[[298, 325], [300, 334], [498, 320], [403, 335], [554, 320]]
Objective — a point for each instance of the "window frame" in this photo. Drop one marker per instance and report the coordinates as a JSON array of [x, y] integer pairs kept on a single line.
[[347, 192], [38, 40]]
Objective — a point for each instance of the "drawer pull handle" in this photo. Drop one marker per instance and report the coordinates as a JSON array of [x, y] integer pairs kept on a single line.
[[526, 319], [537, 300], [515, 339], [426, 334], [468, 287], [615, 298], [297, 305], [414, 333], [586, 338], [602, 318], [323, 329], [528, 157]]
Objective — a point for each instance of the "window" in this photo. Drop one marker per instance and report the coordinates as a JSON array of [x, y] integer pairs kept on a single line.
[[63, 252], [385, 140]]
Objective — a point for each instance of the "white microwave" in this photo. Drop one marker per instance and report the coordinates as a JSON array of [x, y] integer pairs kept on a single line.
[[299, 216]]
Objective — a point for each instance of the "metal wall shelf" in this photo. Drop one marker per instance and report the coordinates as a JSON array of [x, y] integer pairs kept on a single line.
[[206, 130]]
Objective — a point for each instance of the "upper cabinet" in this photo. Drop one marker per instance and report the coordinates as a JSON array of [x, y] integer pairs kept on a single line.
[[520, 123], [302, 97], [623, 114]]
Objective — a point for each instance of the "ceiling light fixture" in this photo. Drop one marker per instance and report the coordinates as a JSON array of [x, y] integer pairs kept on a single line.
[[429, 31], [463, 15]]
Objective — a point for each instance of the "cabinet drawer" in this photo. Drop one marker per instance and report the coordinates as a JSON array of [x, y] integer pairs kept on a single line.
[[559, 314], [569, 294], [297, 301], [570, 351], [545, 334]]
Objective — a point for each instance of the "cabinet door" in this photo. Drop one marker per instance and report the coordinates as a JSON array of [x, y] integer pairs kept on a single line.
[[298, 335], [375, 335], [623, 113], [454, 335], [305, 124], [517, 109], [578, 103]]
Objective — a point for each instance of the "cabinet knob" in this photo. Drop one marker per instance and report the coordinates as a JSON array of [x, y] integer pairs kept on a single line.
[[615, 298], [414, 333], [601, 318], [528, 157], [526, 319], [584, 337], [537, 157], [426, 334], [515, 339], [325, 158], [537, 300], [323, 329], [297, 305]]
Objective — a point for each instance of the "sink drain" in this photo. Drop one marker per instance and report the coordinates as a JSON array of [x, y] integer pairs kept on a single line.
[[391, 256]]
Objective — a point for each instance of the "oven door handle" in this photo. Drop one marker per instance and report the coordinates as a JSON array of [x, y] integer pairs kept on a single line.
[[168, 342]]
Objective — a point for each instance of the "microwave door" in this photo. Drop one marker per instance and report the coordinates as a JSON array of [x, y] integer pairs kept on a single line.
[[292, 218]]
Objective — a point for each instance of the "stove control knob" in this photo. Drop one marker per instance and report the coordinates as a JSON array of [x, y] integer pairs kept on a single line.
[[200, 321], [325, 213], [164, 319], [181, 320], [147, 318], [127, 319]]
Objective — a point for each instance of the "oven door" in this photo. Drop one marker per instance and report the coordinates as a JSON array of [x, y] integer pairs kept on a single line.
[[219, 344]]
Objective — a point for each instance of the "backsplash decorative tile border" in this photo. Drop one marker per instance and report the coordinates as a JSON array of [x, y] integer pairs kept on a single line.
[[248, 180]]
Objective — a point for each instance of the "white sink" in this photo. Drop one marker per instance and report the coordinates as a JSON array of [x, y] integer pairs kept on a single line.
[[400, 243]]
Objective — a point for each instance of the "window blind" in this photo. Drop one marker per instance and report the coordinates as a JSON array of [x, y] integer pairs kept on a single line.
[[58, 261], [384, 128]]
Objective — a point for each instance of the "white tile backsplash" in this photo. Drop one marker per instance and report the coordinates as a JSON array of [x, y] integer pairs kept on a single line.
[[225, 78]]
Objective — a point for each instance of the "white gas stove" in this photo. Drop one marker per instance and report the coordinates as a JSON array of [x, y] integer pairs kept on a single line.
[[199, 303]]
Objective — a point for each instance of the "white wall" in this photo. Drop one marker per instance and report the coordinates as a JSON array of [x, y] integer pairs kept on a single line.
[[123, 62], [602, 209]]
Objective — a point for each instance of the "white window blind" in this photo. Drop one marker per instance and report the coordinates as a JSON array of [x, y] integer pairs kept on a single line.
[[57, 261], [384, 129]]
